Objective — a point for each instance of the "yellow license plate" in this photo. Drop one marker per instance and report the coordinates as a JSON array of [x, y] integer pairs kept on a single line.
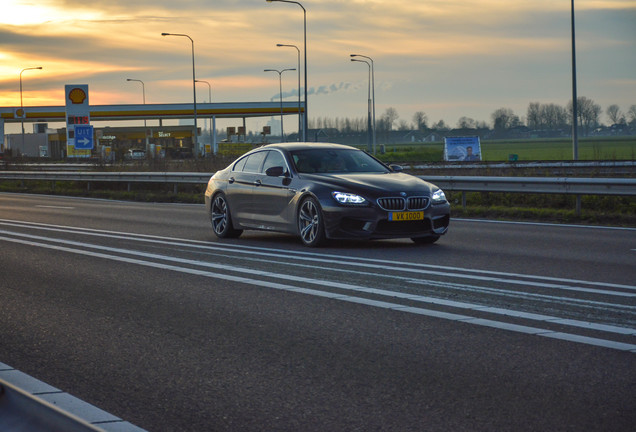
[[406, 216]]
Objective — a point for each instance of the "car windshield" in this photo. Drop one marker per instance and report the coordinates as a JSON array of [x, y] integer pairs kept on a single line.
[[325, 161]]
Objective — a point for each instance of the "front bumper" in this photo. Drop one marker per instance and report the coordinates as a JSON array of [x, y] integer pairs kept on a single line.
[[373, 223]]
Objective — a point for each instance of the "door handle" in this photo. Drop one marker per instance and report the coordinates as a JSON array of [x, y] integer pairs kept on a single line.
[[257, 182], [230, 180]]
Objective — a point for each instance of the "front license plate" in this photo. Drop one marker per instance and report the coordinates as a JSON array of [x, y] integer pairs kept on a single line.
[[406, 216]]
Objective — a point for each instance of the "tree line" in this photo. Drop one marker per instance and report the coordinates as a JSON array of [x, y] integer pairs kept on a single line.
[[539, 117]]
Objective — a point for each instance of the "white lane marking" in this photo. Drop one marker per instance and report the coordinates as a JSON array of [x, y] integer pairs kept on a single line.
[[333, 259], [544, 224], [55, 207], [375, 291], [348, 298]]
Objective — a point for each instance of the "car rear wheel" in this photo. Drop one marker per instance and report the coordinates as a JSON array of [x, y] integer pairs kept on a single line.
[[311, 225], [425, 240], [221, 218]]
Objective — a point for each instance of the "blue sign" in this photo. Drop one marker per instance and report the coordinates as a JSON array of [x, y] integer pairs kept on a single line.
[[83, 137], [462, 148]]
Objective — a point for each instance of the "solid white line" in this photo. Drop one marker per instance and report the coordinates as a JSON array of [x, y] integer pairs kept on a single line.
[[337, 259], [376, 303], [55, 207], [556, 225]]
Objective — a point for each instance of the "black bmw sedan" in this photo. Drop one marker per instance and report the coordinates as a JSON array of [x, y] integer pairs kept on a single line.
[[323, 191]]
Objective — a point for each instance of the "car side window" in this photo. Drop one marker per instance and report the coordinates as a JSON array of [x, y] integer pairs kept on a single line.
[[254, 162], [274, 159], [238, 166]]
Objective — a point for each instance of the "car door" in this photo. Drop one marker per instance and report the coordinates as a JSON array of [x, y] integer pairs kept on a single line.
[[272, 194], [241, 184]]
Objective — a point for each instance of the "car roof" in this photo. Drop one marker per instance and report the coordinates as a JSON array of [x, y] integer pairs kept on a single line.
[[292, 146]]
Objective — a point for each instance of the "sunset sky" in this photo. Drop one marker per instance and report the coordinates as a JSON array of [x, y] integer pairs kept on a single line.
[[447, 58]]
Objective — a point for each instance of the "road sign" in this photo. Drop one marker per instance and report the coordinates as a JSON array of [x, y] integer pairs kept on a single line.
[[83, 137]]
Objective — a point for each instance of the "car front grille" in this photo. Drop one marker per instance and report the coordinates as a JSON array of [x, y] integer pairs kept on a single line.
[[418, 203], [399, 203], [392, 204]]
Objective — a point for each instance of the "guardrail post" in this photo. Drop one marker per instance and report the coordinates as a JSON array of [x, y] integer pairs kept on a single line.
[[578, 205], [175, 188], [464, 199], [88, 186]]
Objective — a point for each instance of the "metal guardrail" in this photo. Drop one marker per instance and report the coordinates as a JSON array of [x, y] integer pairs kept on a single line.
[[120, 177], [30, 405], [21, 411], [537, 185]]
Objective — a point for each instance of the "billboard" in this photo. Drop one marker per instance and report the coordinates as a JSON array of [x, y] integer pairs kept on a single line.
[[466, 148]]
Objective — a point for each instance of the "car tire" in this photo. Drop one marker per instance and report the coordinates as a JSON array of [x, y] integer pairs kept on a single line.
[[311, 224], [426, 240], [221, 218]]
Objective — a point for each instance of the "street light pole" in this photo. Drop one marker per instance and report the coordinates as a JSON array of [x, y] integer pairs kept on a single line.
[[22, 115], [280, 87], [369, 126], [305, 122], [299, 116], [373, 93], [194, 93], [143, 90], [575, 138], [209, 100]]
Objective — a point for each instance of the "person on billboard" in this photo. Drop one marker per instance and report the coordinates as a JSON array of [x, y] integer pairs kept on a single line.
[[470, 156]]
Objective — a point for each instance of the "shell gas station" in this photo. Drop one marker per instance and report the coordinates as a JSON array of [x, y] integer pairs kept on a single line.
[[79, 139]]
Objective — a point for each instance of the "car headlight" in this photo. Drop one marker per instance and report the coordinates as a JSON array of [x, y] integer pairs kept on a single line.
[[438, 197], [348, 198]]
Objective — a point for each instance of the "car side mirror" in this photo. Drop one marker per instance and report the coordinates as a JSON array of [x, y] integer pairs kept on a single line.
[[396, 168], [275, 171]]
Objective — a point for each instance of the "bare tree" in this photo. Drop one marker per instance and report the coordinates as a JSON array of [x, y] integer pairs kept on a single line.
[[403, 126], [466, 123], [504, 118], [632, 115], [587, 114], [389, 117], [420, 119], [615, 115], [533, 115], [440, 126]]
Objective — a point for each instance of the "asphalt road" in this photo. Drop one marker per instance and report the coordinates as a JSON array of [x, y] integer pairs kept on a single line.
[[139, 310]]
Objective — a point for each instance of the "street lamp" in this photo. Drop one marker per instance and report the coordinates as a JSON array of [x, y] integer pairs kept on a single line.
[[209, 100], [194, 92], [143, 91], [373, 92], [575, 136], [294, 46], [369, 126], [22, 115], [305, 54], [280, 87]]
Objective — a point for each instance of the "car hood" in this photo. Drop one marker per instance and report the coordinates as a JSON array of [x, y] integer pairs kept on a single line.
[[377, 183]]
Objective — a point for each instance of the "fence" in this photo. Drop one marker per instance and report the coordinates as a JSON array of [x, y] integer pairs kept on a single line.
[[534, 185]]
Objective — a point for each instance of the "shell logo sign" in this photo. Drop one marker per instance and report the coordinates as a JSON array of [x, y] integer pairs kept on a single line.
[[77, 95], [79, 136]]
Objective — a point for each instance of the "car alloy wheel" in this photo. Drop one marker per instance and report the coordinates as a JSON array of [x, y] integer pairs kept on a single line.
[[310, 223], [221, 219]]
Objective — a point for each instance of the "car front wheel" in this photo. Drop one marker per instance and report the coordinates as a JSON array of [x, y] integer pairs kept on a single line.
[[311, 225], [221, 218]]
